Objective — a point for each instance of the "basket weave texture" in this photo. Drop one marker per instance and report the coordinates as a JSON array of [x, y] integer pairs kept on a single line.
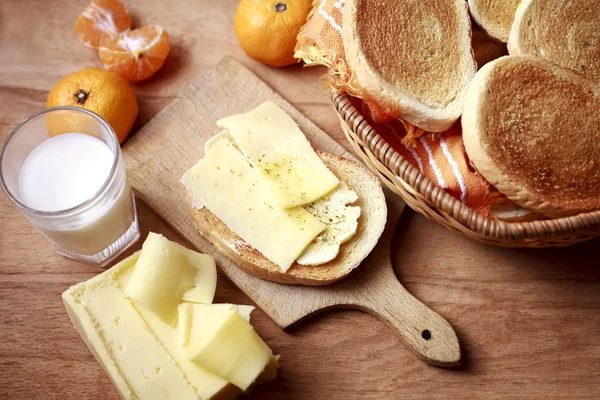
[[425, 197]]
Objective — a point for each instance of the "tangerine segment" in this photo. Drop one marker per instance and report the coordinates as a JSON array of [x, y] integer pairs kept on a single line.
[[137, 54], [100, 20]]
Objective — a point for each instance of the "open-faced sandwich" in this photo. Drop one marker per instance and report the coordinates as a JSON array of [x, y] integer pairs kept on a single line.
[[278, 209]]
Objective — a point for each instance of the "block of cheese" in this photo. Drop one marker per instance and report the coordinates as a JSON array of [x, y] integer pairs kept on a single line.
[[186, 315], [132, 354], [166, 273], [212, 386], [272, 142], [237, 194], [222, 341]]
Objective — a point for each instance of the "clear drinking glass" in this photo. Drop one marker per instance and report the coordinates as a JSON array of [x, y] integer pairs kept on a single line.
[[96, 230]]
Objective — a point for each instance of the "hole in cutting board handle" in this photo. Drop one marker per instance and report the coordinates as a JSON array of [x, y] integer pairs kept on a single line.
[[426, 334]]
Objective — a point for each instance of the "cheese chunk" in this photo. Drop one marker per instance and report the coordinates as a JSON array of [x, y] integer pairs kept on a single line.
[[166, 273], [207, 384], [341, 221], [222, 341], [134, 351], [141, 353], [272, 142], [186, 315], [237, 194]]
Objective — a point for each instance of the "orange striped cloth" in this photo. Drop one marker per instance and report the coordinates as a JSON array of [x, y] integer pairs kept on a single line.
[[441, 157]]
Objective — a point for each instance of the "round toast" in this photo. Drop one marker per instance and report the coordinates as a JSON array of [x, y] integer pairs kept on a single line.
[[564, 32], [532, 129], [412, 57], [494, 16]]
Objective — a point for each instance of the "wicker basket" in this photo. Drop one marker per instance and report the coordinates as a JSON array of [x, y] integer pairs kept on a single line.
[[423, 196]]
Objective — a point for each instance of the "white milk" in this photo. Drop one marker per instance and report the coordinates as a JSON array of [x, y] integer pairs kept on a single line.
[[66, 171]]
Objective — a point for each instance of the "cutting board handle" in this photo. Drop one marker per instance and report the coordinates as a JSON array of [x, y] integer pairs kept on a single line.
[[424, 331]]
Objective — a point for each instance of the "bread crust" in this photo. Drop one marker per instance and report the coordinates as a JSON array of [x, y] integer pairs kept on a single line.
[[531, 129], [566, 33], [371, 224], [495, 17], [413, 58]]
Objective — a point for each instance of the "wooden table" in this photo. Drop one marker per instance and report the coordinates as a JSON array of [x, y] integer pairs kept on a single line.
[[528, 320]]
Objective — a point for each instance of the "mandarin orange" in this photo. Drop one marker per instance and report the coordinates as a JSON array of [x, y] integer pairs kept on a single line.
[[267, 29], [103, 92]]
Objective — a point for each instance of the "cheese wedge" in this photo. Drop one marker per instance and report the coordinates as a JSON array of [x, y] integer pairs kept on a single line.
[[341, 221], [273, 144], [141, 353], [237, 194], [222, 341], [167, 273], [139, 360], [169, 336], [186, 315]]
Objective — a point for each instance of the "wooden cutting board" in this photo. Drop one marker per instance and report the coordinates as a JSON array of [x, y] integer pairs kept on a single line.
[[158, 155]]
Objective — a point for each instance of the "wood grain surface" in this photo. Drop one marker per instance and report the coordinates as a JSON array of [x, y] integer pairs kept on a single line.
[[173, 141], [528, 320]]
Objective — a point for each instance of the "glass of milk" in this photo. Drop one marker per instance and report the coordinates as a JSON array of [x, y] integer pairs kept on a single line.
[[63, 168]]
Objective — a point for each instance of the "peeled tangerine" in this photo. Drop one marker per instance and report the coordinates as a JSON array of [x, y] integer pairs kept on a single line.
[[136, 55], [102, 19]]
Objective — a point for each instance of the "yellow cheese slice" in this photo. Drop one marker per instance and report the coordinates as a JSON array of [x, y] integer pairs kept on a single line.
[[186, 315], [341, 221], [205, 281], [253, 360], [236, 193], [86, 328], [166, 273], [272, 142], [270, 371], [222, 341]]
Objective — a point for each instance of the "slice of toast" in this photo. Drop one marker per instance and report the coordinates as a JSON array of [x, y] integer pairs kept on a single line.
[[531, 129], [370, 227], [566, 33], [494, 16], [411, 57]]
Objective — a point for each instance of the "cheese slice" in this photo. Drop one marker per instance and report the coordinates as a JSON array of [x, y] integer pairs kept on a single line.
[[186, 317], [205, 279], [222, 341], [341, 221], [166, 273], [272, 142], [237, 194]]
